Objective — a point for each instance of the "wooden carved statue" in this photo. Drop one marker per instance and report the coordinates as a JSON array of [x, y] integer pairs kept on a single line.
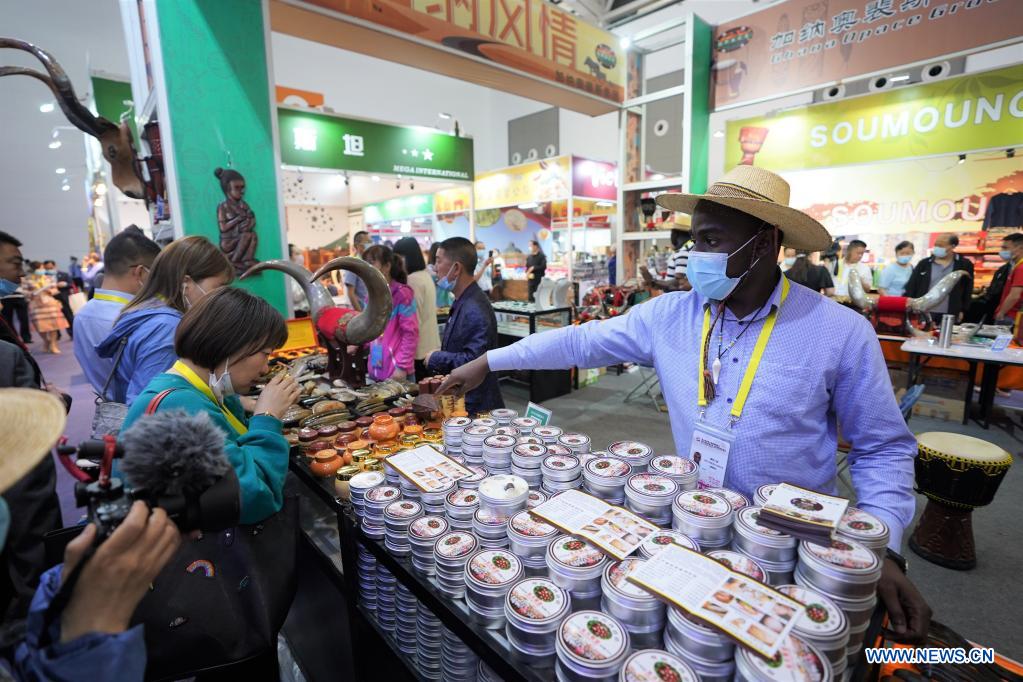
[[238, 239]]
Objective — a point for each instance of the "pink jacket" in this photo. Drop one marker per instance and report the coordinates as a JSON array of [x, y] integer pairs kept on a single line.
[[396, 347]]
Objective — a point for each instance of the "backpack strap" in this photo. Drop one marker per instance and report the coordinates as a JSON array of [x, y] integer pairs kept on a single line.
[[113, 370], [154, 404]]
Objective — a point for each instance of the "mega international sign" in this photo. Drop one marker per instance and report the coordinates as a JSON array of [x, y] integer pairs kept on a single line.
[[981, 111], [799, 45], [317, 140], [399, 208]]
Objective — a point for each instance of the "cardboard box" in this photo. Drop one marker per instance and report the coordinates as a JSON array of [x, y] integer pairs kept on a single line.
[[948, 409]]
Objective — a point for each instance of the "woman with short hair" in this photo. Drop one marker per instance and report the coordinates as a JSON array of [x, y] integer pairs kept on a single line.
[[425, 292], [392, 354]]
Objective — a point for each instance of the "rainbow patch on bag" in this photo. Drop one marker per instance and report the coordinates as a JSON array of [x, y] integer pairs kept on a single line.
[[203, 566]]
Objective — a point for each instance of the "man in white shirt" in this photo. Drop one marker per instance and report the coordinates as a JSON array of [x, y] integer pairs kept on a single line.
[[850, 264], [483, 264]]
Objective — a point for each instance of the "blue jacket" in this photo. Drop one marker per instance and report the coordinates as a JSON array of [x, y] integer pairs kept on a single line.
[[470, 332], [149, 350], [95, 656]]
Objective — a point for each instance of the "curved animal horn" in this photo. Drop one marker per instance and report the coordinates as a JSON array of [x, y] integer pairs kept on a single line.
[[938, 293], [857, 294], [319, 297], [370, 323]]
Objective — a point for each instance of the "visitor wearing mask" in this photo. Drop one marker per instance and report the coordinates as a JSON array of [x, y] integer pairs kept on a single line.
[[44, 307], [801, 271], [392, 354], [536, 267], [483, 269], [852, 265], [929, 271], [129, 258], [186, 271], [895, 276], [444, 295], [355, 287], [675, 266], [223, 345], [1012, 292], [425, 292]]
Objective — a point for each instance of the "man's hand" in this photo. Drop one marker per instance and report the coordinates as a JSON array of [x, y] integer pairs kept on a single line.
[[908, 613], [645, 274], [118, 575], [463, 379]]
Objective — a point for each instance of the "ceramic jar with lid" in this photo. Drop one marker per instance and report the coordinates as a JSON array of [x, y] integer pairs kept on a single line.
[[327, 434], [362, 426], [641, 612], [311, 449], [605, 477], [307, 436], [489, 576], [648, 665], [660, 539], [651, 496], [682, 470], [326, 463], [635, 453], [398, 415], [705, 517], [384, 428], [534, 609], [591, 646]]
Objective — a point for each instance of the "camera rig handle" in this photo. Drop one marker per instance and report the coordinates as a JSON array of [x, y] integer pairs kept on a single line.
[[106, 449]]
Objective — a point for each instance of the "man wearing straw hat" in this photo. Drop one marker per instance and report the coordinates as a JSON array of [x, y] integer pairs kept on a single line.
[[762, 369], [93, 640]]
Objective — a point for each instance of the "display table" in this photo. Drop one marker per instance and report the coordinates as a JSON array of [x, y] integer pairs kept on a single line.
[[517, 320], [990, 362], [1011, 377]]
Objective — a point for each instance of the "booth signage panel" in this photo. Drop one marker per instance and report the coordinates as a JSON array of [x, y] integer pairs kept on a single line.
[[594, 179], [528, 183], [528, 36], [324, 141], [399, 208], [802, 44], [454, 200], [916, 195], [979, 111]]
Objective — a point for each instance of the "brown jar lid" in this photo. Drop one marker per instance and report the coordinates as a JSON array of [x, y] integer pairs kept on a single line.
[[325, 455], [358, 444], [342, 441], [347, 427], [364, 422], [397, 412], [307, 435], [425, 386], [316, 447], [328, 431]]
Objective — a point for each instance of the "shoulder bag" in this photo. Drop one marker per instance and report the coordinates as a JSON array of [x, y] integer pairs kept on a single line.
[[109, 415]]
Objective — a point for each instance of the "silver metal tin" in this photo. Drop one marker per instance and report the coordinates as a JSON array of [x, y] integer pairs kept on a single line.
[[506, 431], [760, 542], [576, 442], [705, 517], [660, 539], [778, 573], [423, 533], [474, 435], [490, 525], [762, 493], [528, 536], [535, 499], [635, 453], [865, 528], [478, 474], [489, 575], [858, 611], [692, 637], [532, 477], [435, 498], [503, 494], [634, 606], [528, 455], [525, 425], [461, 504], [682, 470], [707, 670], [591, 646], [654, 664], [822, 622], [735, 498], [845, 569], [560, 468], [651, 495], [605, 477], [575, 564], [554, 487], [503, 415], [548, 434], [452, 550], [739, 563], [398, 515], [534, 609], [485, 421], [800, 661]]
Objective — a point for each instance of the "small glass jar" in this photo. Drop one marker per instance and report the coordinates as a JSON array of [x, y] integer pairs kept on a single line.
[[341, 480]]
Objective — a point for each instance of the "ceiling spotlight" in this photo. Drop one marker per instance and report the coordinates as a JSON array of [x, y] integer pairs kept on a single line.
[[625, 43], [61, 171], [445, 115], [55, 133], [46, 107], [101, 188], [55, 144], [962, 158], [719, 133], [65, 188], [1010, 153], [375, 178]]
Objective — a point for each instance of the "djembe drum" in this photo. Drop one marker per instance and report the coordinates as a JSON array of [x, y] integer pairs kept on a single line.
[[956, 473]]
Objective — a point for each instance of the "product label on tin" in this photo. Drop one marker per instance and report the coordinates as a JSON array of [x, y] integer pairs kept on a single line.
[[593, 636], [487, 517], [739, 563], [558, 449], [383, 493], [463, 497], [427, 527], [525, 523], [749, 516], [506, 431], [860, 524], [794, 662], [551, 432], [615, 530], [427, 469], [820, 616], [844, 554], [703, 503], [629, 449], [764, 491], [673, 465], [577, 553], [609, 467], [498, 442], [477, 430], [495, 567], [524, 423], [653, 485], [537, 599], [619, 571], [662, 538], [485, 421], [478, 474], [535, 498], [455, 545], [403, 509], [530, 450], [653, 665], [366, 479], [456, 422], [561, 462], [574, 440], [736, 499]]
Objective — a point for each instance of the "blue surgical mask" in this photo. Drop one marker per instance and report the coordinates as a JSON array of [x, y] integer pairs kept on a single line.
[[445, 284], [789, 261], [939, 251], [904, 260], [51, 273], [707, 272], [1005, 255], [5, 522], [7, 287], [39, 272]]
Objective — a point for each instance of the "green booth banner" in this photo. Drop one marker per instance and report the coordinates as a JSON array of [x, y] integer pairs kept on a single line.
[[967, 113], [318, 140], [399, 208]]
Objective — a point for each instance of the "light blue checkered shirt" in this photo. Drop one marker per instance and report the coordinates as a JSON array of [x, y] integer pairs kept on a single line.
[[823, 365]]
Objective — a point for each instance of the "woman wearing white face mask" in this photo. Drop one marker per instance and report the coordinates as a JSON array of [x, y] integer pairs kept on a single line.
[[223, 345], [143, 336]]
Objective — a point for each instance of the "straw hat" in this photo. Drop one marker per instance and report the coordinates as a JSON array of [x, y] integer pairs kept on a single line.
[[761, 194], [32, 421]]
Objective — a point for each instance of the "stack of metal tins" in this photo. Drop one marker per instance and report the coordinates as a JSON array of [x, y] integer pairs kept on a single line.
[[576, 566], [528, 538], [533, 610], [705, 517], [385, 599], [578, 443], [405, 606], [651, 496], [636, 454], [453, 428], [392, 475], [458, 661], [685, 472], [740, 563], [459, 506], [796, 661], [707, 651], [848, 573], [478, 474], [560, 472], [491, 529], [548, 434], [428, 643], [489, 575], [373, 510], [639, 611], [397, 518], [605, 477], [734, 497], [433, 501], [358, 486], [552, 449], [497, 453], [507, 431], [525, 462], [762, 493], [590, 646], [484, 673], [655, 664], [535, 499], [525, 425], [450, 553], [774, 550], [823, 624], [486, 421], [865, 528], [367, 564], [503, 494], [658, 540], [472, 442], [422, 536], [503, 416]]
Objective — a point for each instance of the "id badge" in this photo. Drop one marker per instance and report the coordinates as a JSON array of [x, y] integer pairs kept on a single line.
[[710, 449]]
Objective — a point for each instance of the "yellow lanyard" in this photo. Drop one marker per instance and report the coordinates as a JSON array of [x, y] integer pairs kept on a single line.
[[754, 362], [110, 297], [191, 377]]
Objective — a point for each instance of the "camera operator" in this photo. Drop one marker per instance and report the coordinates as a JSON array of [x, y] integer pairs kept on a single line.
[[92, 639]]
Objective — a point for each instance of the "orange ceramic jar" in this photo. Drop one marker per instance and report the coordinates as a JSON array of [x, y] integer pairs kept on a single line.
[[384, 428], [325, 463]]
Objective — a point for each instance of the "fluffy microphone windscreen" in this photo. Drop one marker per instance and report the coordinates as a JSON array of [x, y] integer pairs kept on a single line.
[[173, 453]]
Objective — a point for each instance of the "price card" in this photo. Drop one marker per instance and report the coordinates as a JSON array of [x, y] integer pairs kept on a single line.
[[1001, 342], [540, 414]]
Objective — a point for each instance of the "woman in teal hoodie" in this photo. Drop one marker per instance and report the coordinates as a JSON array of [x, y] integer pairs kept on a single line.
[[182, 274], [223, 344]]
